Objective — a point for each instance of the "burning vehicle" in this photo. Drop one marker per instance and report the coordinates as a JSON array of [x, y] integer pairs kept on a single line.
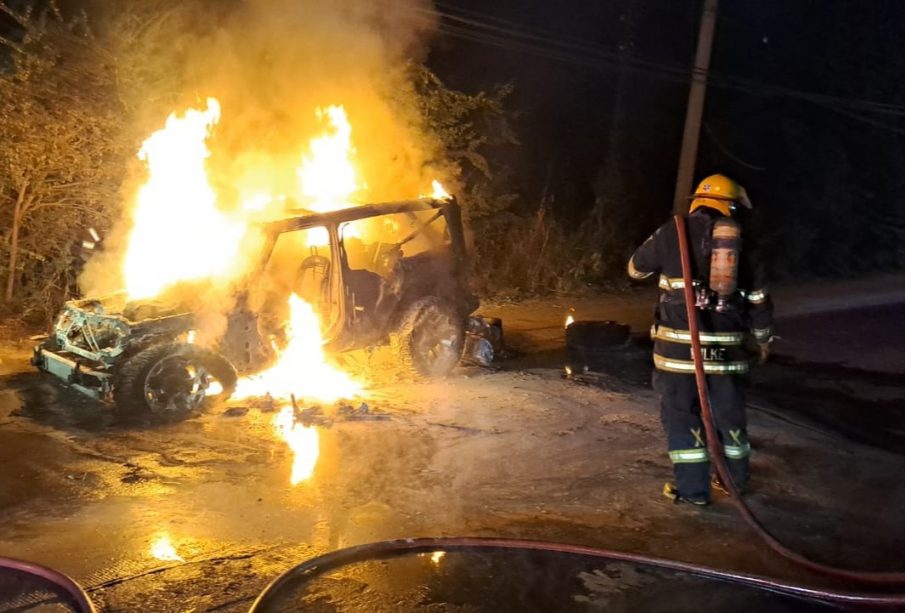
[[390, 273]]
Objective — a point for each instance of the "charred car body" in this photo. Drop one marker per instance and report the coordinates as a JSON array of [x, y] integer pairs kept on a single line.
[[390, 273]]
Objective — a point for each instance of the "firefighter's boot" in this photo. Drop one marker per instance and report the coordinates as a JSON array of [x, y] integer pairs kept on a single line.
[[670, 491]]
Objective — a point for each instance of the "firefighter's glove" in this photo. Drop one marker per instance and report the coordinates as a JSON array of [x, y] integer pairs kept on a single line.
[[763, 352]]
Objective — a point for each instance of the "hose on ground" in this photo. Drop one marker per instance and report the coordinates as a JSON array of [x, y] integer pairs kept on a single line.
[[314, 567], [715, 448]]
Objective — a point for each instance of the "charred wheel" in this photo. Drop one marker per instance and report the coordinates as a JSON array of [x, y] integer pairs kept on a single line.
[[429, 338], [171, 381]]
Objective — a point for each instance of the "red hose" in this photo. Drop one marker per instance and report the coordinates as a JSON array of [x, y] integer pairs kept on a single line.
[[335, 559], [716, 448], [75, 594]]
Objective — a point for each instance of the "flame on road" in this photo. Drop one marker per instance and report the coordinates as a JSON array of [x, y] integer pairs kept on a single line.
[[162, 549], [302, 368]]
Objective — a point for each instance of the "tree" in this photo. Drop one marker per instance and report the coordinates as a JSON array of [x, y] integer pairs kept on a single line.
[[60, 165], [469, 127]]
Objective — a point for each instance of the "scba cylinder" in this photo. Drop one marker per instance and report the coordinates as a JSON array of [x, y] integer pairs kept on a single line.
[[727, 245]]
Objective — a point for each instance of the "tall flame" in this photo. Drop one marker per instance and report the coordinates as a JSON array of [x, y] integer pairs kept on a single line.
[[327, 176], [178, 233]]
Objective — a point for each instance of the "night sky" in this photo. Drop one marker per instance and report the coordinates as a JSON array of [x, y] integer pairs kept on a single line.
[[805, 109]]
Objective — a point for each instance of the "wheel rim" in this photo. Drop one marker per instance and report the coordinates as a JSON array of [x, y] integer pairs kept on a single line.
[[175, 385], [437, 340]]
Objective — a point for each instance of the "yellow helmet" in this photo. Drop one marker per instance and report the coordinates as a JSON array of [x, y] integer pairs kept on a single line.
[[719, 192]]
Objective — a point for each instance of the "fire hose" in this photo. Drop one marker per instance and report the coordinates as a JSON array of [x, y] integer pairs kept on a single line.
[[314, 567], [715, 448]]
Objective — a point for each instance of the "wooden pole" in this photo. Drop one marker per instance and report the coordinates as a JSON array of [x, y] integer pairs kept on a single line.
[[695, 110]]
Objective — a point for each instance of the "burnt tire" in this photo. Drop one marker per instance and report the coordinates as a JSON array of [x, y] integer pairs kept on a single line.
[[429, 338], [597, 335], [170, 381]]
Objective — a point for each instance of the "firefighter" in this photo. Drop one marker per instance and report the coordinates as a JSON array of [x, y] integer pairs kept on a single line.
[[736, 325]]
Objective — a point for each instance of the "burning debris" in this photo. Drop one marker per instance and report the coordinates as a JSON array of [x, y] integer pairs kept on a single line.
[[301, 367]]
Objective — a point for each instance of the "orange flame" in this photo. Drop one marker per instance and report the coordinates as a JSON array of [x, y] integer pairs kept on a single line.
[[301, 369], [178, 233], [439, 193], [327, 176]]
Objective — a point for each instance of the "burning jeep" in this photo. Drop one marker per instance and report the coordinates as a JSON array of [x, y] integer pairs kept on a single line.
[[390, 273]]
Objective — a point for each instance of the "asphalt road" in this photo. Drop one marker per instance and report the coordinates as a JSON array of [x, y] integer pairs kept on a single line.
[[514, 452]]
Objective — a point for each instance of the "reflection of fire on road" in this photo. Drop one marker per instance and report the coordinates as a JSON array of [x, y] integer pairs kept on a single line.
[[302, 440], [162, 549], [181, 233]]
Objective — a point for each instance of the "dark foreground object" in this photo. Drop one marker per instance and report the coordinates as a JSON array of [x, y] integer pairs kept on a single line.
[[25, 586]]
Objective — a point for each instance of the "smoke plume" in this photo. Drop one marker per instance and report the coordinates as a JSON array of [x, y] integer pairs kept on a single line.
[[271, 64]]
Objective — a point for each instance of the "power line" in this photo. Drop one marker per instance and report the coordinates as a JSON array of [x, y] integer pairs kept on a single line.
[[716, 141], [590, 55]]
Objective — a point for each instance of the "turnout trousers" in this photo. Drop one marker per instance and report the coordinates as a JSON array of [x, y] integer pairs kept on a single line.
[[680, 412]]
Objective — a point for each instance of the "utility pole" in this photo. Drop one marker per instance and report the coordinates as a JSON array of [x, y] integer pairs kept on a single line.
[[695, 109]]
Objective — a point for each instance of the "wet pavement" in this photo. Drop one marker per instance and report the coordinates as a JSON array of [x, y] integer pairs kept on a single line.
[[515, 452]]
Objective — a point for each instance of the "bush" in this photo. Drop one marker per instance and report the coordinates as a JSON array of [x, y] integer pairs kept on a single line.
[[526, 255]]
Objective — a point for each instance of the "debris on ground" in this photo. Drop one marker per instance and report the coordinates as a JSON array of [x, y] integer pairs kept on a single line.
[[483, 341]]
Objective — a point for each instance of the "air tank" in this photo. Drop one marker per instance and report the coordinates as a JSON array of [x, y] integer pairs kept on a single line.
[[727, 245]]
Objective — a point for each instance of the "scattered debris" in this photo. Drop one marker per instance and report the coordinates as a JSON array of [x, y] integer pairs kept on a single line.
[[362, 413], [235, 412], [265, 404], [483, 341]]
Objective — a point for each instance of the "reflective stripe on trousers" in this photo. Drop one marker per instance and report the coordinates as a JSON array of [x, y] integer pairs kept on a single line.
[[689, 456]]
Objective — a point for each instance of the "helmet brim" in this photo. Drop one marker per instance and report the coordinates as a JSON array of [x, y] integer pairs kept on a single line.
[[742, 198]]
